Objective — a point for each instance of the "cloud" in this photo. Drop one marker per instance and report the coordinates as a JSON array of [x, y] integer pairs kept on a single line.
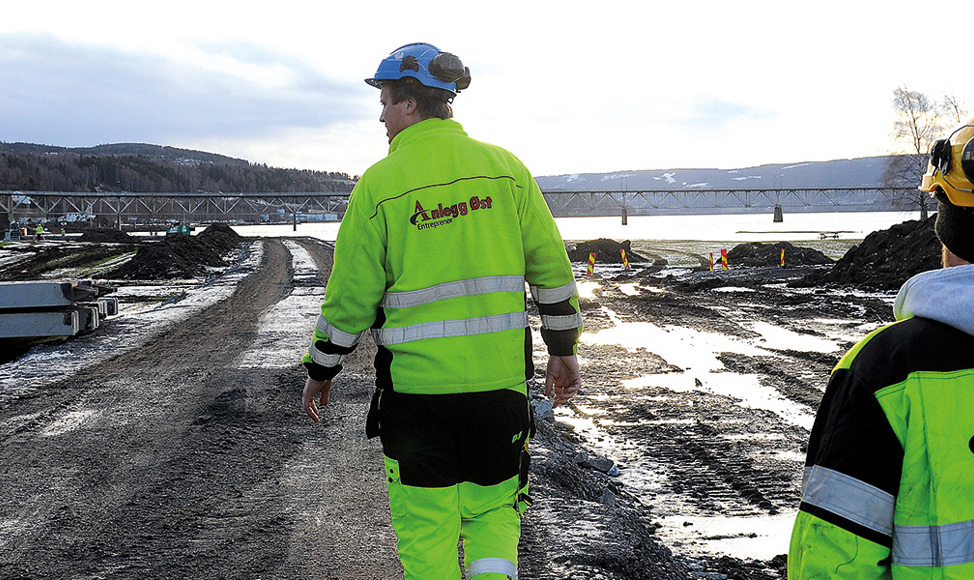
[[78, 94], [717, 114]]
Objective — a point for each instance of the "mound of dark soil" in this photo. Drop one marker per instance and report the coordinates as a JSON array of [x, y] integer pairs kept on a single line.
[[758, 254], [181, 256], [106, 235], [885, 259], [221, 236], [606, 251]]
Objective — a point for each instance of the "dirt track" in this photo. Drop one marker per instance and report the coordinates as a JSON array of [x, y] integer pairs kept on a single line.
[[186, 457], [172, 461]]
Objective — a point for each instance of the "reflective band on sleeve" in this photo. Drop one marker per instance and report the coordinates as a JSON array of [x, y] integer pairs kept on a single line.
[[492, 566], [337, 336], [470, 287], [449, 328], [567, 322], [325, 360], [553, 295], [850, 498], [946, 545]]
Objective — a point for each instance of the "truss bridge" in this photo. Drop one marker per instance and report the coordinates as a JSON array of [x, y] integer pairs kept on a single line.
[[705, 201], [117, 208]]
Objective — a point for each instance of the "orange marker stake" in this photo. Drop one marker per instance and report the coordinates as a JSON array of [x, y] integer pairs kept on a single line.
[[723, 259], [625, 260], [591, 263]]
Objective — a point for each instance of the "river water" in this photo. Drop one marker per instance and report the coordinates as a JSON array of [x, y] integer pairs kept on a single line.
[[726, 227]]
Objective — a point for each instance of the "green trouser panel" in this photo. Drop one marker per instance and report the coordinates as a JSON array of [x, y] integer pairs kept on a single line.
[[491, 527], [456, 466], [428, 526]]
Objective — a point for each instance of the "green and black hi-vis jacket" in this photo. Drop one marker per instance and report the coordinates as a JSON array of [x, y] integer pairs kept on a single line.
[[888, 489]]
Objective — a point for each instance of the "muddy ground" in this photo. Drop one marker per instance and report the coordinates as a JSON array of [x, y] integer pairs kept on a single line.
[[185, 453]]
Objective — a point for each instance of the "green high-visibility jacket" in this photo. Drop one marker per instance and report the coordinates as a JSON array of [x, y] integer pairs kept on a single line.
[[888, 489], [432, 255]]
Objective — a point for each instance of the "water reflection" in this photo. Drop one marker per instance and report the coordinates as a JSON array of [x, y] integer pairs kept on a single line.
[[696, 352]]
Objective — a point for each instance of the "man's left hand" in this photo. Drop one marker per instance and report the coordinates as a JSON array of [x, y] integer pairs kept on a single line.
[[312, 388]]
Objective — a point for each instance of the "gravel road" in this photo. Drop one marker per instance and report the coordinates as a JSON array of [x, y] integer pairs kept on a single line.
[[174, 460], [171, 442]]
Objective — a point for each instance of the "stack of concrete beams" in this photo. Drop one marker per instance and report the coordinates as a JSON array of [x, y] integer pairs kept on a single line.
[[44, 309]]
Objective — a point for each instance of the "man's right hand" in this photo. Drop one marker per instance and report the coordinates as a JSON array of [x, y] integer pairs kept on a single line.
[[312, 388]]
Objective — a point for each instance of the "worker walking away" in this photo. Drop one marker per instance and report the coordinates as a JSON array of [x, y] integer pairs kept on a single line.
[[433, 255], [888, 489]]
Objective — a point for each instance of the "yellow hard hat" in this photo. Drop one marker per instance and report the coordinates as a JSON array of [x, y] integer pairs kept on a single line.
[[951, 166]]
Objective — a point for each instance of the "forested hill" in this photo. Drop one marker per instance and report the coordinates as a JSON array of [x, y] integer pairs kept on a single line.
[[142, 168]]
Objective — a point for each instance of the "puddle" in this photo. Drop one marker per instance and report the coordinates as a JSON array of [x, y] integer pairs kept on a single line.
[[696, 353], [746, 389], [754, 537], [586, 289], [733, 289], [629, 289], [778, 338]]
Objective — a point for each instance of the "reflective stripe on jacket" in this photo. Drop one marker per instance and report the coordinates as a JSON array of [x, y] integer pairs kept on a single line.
[[440, 239], [889, 478]]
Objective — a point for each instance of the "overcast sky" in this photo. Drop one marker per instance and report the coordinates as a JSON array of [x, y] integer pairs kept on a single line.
[[569, 87]]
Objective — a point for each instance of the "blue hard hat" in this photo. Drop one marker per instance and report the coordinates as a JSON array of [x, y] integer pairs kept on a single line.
[[425, 63]]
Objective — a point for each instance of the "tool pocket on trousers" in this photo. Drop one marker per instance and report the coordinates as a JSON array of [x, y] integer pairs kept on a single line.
[[397, 499]]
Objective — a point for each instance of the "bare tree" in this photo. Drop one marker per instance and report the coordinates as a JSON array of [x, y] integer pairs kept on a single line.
[[920, 121], [955, 109]]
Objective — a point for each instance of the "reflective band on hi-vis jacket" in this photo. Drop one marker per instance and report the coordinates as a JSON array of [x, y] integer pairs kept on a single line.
[[553, 295], [946, 545], [450, 328], [460, 288], [849, 497], [325, 360], [566, 322], [336, 336]]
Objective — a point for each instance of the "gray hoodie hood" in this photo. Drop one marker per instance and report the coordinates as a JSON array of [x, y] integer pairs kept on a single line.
[[945, 295]]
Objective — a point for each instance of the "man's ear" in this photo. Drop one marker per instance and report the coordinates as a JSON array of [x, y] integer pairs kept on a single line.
[[411, 106]]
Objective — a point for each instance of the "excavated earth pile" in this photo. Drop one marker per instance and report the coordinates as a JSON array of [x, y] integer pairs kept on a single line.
[[606, 251], [885, 259], [758, 254], [181, 255]]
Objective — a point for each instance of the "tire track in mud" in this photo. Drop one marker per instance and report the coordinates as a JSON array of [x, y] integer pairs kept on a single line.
[[166, 461], [690, 452]]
